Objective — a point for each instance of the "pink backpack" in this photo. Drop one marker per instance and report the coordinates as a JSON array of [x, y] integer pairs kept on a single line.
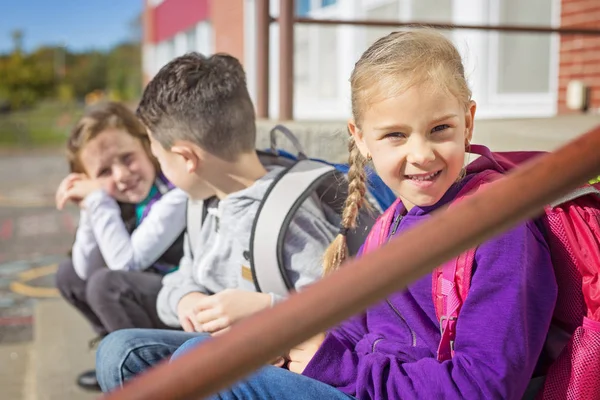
[[573, 235]]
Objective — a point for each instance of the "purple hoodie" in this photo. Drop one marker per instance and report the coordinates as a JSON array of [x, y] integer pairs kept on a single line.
[[389, 352]]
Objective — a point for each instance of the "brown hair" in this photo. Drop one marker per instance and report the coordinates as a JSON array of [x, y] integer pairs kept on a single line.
[[97, 119], [392, 65], [203, 100]]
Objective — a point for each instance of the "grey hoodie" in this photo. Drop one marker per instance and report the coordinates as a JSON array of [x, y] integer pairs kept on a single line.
[[218, 256]]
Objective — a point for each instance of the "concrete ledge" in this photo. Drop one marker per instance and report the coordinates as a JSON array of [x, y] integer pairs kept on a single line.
[[328, 139], [15, 362], [61, 351]]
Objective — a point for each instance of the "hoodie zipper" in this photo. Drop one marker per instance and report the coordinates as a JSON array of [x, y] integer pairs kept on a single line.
[[412, 333], [395, 226], [375, 344]]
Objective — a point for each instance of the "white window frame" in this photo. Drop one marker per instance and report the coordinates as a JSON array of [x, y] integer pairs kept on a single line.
[[522, 104]]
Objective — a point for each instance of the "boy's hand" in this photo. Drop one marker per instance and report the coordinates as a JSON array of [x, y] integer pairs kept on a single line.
[[61, 197], [301, 355], [218, 312], [186, 313]]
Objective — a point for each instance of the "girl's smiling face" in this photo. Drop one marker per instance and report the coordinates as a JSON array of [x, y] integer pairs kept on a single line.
[[417, 141], [119, 162]]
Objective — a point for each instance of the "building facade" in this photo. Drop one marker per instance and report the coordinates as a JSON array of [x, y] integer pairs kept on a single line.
[[511, 74]]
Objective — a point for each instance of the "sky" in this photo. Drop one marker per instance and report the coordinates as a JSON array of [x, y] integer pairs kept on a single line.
[[79, 24]]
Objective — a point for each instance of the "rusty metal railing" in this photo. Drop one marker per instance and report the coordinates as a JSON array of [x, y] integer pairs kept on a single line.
[[365, 281], [496, 28], [286, 21]]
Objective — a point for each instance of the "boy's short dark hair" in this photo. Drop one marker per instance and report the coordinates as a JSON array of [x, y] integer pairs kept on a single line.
[[203, 100]]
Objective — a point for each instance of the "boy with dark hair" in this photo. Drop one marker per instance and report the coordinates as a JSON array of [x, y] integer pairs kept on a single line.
[[202, 127]]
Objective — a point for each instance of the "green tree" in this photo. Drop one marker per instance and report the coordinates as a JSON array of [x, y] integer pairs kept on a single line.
[[86, 72], [124, 71], [25, 79]]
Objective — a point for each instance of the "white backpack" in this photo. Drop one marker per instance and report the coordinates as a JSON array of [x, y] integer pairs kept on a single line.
[[301, 178]]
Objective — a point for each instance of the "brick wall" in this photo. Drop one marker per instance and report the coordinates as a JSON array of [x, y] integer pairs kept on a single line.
[[579, 54], [227, 17]]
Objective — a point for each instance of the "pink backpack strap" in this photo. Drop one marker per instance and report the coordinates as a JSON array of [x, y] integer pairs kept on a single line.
[[451, 282], [381, 229], [452, 295]]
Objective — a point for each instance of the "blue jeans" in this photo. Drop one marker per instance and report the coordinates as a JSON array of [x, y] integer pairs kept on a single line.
[[272, 383], [125, 353]]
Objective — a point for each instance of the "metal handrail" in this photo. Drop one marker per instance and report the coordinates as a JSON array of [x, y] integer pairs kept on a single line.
[[365, 281], [442, 25], [287, 20]]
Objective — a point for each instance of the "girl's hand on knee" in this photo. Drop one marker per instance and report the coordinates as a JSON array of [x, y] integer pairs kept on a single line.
[[218, 312], [301, 355]]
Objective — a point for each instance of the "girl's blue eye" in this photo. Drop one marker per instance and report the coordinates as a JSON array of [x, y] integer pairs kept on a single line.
[[126, 158], [395, 135], [440, 128]]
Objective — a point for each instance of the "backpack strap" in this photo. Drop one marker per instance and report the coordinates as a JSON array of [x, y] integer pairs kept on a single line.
[[577, 193], [301, 154], [195, 214], [275, 213], [380, 231], [451, 282]]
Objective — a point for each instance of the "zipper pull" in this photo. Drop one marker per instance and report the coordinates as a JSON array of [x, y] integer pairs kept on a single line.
[[396, 224]]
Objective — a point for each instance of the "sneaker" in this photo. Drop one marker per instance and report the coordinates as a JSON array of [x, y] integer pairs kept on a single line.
[[88, 381]]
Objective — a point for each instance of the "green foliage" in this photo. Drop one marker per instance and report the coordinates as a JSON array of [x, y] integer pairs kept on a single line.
[[46, 123], [25, 79], [124, 78], [42, 93], [56, 73]]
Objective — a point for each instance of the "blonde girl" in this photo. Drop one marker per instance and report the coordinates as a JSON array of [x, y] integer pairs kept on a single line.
[[413, 119]]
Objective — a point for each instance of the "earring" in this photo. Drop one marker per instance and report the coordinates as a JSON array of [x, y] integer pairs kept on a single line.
[[369, 158]]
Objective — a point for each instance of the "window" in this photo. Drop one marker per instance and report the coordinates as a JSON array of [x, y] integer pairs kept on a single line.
[[327, 61], [524, 59], [190, 39], [385, 11], [302, 7], [432, 10]]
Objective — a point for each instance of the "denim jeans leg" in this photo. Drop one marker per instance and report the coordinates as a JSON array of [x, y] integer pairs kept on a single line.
[[272, 383], [125, 353]]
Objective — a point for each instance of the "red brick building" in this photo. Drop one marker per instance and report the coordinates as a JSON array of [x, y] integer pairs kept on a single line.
[[174, 27], [580, 55]]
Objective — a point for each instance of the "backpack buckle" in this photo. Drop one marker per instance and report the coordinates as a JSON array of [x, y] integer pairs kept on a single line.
[[445, 321], [448, 329], [447, 332]]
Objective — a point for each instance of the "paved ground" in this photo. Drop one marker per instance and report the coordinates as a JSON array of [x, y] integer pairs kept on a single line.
[[34, 236]]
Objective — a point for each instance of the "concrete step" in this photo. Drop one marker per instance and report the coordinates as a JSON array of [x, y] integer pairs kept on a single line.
[[328, 139], [15, 364], [59, 352]]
